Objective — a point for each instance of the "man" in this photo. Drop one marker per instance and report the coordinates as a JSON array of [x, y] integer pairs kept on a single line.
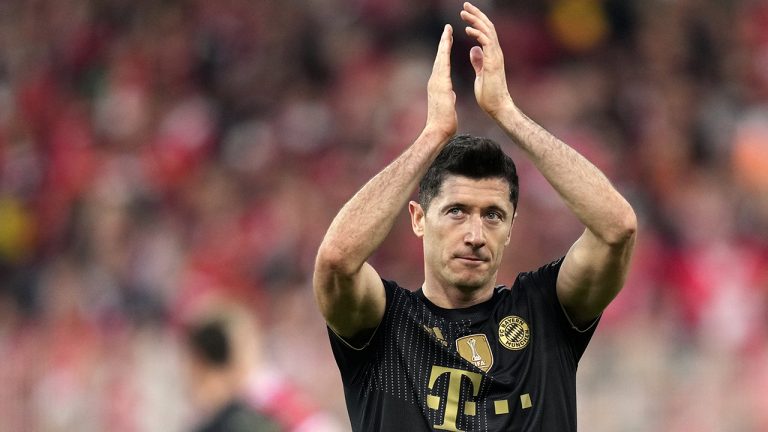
[[460, 354], [217, 362]]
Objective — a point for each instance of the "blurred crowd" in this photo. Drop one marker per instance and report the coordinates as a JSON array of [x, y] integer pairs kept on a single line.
[[158, 154]]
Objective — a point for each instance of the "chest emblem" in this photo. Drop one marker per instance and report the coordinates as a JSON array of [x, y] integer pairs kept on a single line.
[[436, 333], [476, 350], [514, 333]]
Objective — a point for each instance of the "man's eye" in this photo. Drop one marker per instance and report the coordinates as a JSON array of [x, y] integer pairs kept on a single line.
[[495, 216], [454, 211]]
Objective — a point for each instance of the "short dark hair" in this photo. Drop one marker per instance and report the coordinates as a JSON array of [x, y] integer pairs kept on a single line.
[[473, 157], [210, 342]]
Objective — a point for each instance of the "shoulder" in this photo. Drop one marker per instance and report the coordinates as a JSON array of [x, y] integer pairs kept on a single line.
[[538, 287], [544, 275], [540, 282], [236, 417], [395, 288], [398, 295]]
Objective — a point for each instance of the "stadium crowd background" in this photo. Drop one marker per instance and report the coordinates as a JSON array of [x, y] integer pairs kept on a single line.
[[156, 154]]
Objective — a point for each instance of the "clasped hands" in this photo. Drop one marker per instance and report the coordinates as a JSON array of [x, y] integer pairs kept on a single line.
[[487, 60]]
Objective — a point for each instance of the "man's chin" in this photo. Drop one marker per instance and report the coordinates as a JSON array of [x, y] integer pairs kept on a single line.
[[470, 283], [468, 276]]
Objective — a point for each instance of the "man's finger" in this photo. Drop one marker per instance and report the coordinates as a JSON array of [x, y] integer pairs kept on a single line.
[[481, 38], [443, 57], [474, 10], [475, 22], [476, 58]]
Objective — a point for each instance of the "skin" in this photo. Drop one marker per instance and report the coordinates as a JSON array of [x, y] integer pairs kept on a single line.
[[462, 251], [349, 292], [465, 230], [596, 266]]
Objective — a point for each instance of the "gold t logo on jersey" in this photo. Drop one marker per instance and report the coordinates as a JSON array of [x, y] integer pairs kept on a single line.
[[453, 396], [476, 350]]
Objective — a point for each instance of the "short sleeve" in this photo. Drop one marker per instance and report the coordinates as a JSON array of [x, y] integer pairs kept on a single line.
[[544, 282], [353, 355]]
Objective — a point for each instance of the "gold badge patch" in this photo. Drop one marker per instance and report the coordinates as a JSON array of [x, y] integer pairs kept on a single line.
[[476, 350], [514, 333]]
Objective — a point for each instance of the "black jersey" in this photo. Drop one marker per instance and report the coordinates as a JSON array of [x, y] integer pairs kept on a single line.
[[507, 364], [238, 417]]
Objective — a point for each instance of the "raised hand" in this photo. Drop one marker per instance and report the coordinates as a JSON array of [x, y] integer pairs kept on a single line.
[[491, 89], [441, 100]]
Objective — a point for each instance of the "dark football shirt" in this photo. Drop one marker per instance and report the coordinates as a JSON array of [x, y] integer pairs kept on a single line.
[[238, 417], [507, 364]]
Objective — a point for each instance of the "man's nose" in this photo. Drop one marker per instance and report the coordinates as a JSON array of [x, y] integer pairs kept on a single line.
[[475, 235]]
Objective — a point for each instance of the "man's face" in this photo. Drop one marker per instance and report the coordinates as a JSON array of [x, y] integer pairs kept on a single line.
[[465, 231]]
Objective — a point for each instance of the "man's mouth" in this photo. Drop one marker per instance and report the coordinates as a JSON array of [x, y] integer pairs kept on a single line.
[[471, 258]]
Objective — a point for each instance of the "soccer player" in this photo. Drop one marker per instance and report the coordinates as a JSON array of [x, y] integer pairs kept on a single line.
[[460, 353]]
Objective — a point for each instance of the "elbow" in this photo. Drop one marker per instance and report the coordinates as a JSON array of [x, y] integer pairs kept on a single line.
[[333, 260], [624, 229]]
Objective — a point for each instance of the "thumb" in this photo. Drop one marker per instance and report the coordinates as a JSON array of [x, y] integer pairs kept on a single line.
[[476, 58]]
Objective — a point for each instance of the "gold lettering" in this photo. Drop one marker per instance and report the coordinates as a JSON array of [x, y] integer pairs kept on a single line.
[[525, 401], [501, 406], [454, 393], [470, 408]]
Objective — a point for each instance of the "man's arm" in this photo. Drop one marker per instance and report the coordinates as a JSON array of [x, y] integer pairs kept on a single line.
[[348, 290], [595, 267]]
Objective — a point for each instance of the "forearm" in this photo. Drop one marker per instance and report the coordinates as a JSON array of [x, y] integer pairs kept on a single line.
[[583, 187], [365, 220]]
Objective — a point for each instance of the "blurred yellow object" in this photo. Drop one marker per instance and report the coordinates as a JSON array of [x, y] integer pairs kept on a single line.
[[16, 230], [579, 25]]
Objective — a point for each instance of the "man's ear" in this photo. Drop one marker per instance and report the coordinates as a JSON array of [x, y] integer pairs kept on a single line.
[[417, 218]]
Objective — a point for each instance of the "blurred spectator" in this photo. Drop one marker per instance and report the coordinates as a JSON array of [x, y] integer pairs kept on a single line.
[[216, 368], [230, 373]]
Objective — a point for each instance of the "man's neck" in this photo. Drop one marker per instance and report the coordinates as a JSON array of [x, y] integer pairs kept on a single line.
[[451, 297], [214, 390]]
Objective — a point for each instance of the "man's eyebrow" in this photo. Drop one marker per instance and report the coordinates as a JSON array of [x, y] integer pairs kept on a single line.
[[457, 204], [452, 205]]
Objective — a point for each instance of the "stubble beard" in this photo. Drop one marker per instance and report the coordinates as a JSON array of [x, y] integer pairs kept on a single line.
[[469, 283]]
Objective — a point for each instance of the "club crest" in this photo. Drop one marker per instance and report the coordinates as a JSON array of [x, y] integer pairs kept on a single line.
[[514, 333]]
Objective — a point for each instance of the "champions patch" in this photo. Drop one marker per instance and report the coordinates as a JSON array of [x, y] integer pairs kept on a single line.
[[514, 333], [476, 350]]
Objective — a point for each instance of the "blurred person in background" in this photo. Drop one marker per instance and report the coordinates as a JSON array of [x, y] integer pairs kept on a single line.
[[461, 353], [231, 381], [217, 366]]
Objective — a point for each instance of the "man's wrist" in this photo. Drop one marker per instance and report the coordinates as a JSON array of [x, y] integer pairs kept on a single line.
[[507, 112], [436, 134], [510, 118]]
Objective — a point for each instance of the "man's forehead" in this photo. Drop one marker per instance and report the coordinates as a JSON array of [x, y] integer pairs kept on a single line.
[[483, 192]]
